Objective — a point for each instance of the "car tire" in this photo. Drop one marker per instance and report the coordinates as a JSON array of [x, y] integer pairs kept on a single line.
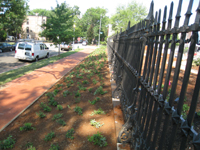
[[47, 55], [36, 59]]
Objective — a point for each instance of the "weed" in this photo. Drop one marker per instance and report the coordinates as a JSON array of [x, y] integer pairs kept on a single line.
[[95, 123], [68, 106], [94, 81], [29, 144], [70, 133], [65, 93], [72, 73], [49, 94], [100, 91], [41, 114], [79, 110], [90, 89], [61, 122], [68, 78], [85, 82], [59, 107], [77, 94], [69, 84], [49, 136], [59, 85], [98, 139], [94, 101], [57, 116], [184, 111], [7, 143], [54, 147], [55, 92], [45, 107], [27, 127], [98, 112]]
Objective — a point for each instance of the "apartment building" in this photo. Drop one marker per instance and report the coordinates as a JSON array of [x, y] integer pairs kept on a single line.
[[32, 27]]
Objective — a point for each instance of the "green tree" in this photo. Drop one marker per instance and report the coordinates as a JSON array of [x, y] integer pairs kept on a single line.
[[92, 17], [13, 16], [133, 12], [59, 24], [41, 12], [90, 34]]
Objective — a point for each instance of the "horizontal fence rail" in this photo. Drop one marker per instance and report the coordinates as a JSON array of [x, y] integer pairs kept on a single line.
[[148, 76]]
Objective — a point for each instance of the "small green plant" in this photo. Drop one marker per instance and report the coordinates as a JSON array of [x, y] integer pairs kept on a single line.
[[54, 147], [77, 94], [49, 94], [95, 123], [55, 92], [61, 122], [94, 81], [29, 144], [45, 107], [69, 84], [98, 139], [98, 112], [49, 136], [65, 93], [79, 110], [68, 106], [59, 107], [90, 89], [7, 143], [196, 62], [94, 101], [85, 82], [31, 148], [27, 127], [59, 85], [68, 78], [72, 73], [52, 102], [41, 114], [184, 110], [57, 116], [99, 90], [70, 134]]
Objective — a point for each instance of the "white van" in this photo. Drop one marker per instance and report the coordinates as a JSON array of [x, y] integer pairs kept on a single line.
[[10, 38], [31, 51]]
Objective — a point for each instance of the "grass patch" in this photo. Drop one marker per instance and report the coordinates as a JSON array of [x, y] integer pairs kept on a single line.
[[16, 73]]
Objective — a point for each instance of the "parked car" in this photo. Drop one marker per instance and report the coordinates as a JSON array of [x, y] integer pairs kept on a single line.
[[31, 51], [64, 46], [5, 47], [10, 38], [84, 43]]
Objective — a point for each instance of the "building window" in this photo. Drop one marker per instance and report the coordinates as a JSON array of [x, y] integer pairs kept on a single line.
[[43, 21], [27, 21], [27, 30]]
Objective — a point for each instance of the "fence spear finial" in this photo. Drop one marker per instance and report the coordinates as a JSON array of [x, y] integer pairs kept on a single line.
[[197, 19], [151, 10], [188, 13], [170, 16], [128, 27], [178, 14]]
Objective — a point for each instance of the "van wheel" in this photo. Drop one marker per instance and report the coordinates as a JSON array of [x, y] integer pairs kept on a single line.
[[47, 55], [36, 59]]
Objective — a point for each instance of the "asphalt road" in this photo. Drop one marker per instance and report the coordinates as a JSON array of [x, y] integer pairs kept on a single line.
[[9, 62]]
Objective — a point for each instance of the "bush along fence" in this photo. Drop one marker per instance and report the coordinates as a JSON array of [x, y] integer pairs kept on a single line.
[[142, 66]]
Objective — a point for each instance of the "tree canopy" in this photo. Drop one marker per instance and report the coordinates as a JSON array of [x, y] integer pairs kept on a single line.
[[133, 12], [59, 24], [12, 16]]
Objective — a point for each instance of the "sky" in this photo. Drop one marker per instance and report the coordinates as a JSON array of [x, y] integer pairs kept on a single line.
[[111, 5]]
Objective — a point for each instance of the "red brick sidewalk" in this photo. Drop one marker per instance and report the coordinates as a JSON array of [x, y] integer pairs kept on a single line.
[[23, 91]]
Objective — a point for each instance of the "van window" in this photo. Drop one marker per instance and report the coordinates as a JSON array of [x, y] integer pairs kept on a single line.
[[41, 47], [28, 47], [21, 46]]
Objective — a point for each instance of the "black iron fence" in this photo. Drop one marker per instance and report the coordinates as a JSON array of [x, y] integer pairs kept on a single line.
[[152, 87]]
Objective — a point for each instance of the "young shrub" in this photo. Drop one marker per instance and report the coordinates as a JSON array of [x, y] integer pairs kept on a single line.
[[7, 143], [100, 91], [59, 107], [31, 148], [27, 127], [52, 102], [45, 107], [41, 114], [70, 134], [85, 82], [77, 94], [90, 90], [94, 101], [65, 93], [98, 112], [61, 122], [54, 147], [78, 110], [95, 123], [98, 139], [49, 136], [57, 116], [94, 81]]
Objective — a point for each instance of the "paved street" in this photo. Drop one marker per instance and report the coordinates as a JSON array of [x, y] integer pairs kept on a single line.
[[9, 62]]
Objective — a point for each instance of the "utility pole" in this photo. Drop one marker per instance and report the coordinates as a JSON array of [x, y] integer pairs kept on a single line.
[[99, 31]]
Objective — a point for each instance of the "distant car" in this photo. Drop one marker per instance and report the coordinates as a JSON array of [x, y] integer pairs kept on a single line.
[[5, 47], [64, 46], [84, 43]]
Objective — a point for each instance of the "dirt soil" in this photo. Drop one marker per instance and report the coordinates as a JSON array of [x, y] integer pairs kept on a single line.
[[80, 123]]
